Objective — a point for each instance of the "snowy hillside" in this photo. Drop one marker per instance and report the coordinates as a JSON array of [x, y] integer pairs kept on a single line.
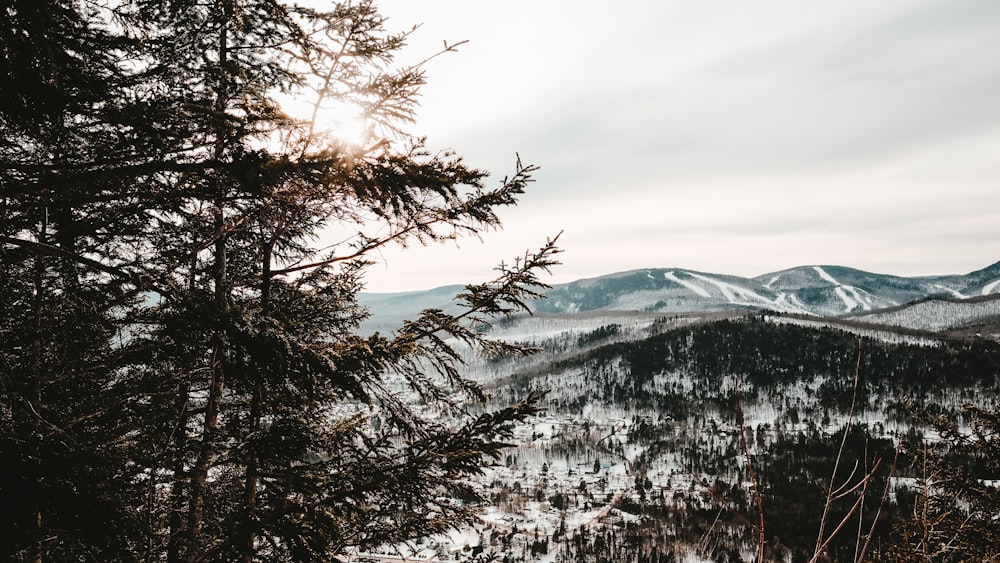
[[937, 314], [648, 416], [811, 290]]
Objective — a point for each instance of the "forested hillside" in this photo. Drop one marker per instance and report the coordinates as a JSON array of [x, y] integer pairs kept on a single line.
[[191, 195], [675, 405]]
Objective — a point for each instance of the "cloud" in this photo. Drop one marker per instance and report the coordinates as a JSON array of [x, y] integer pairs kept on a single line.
[[729, 132]]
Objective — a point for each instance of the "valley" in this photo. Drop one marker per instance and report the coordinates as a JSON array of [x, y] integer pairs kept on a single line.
[[654, 419]]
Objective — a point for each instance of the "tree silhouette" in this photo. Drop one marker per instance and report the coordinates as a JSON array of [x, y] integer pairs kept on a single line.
[[182, 376]]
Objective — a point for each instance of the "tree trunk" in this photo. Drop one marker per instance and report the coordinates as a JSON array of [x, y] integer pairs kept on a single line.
[[199, 473], [35, 395], [250, 488], [175, 521]]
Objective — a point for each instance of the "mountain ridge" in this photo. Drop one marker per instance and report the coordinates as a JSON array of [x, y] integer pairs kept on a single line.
[[820, 290]]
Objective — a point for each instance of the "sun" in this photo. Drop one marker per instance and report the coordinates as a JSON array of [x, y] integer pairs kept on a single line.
[[330, 121], [344, 122]]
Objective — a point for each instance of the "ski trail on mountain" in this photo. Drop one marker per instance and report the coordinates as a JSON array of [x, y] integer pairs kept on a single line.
[[822, 273], [855, 293], [988, 288], [695, 288], [850, 303], [794, 299], [958, 294], [853, 300], [730, 291]]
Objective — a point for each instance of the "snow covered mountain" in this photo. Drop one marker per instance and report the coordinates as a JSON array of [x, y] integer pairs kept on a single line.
[[813, 290], [816, 290], [640, 370]]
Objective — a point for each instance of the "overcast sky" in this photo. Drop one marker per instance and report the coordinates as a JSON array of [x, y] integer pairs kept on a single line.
[[723, 136]]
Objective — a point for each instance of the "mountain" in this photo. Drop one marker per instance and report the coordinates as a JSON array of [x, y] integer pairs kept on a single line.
[[811, 290], [389, 310], [651, 420], [816, 290], [976, 315], [659, 389]]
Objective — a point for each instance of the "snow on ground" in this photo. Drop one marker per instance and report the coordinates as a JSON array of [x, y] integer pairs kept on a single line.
[[795, 301], [463, 537], [695, 288], [539, 327], [988, 288], [958, 294], [883, 335], [855, 292], [569, 470], [790, 303], [732, 292], [823, 274], [534, 476], [936, 315], [850, 303]]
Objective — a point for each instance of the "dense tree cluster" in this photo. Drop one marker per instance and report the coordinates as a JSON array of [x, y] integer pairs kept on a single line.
[[180, 373], [668, 371], [680, 386]]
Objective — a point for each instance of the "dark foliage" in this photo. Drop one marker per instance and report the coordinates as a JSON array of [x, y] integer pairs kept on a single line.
[[181, 377]]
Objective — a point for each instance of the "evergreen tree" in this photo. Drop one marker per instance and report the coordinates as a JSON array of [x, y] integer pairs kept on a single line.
[[183, 377], [65, 479], [954, 512]]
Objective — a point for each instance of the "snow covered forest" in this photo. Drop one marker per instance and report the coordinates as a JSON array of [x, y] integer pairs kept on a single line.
[[186, 374], [640, 455]]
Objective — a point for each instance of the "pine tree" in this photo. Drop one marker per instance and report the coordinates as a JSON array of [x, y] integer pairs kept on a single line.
[[64, 475], [953, 516], [178, 348]]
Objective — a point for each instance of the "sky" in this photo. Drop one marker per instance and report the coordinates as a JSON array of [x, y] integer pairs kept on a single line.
[[722, 136]]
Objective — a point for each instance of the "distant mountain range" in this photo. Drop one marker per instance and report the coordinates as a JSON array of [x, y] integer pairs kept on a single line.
[[810, 290], [815, 290]]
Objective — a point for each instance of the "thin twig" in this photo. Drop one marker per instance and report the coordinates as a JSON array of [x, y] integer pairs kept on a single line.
[[820, 543]]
